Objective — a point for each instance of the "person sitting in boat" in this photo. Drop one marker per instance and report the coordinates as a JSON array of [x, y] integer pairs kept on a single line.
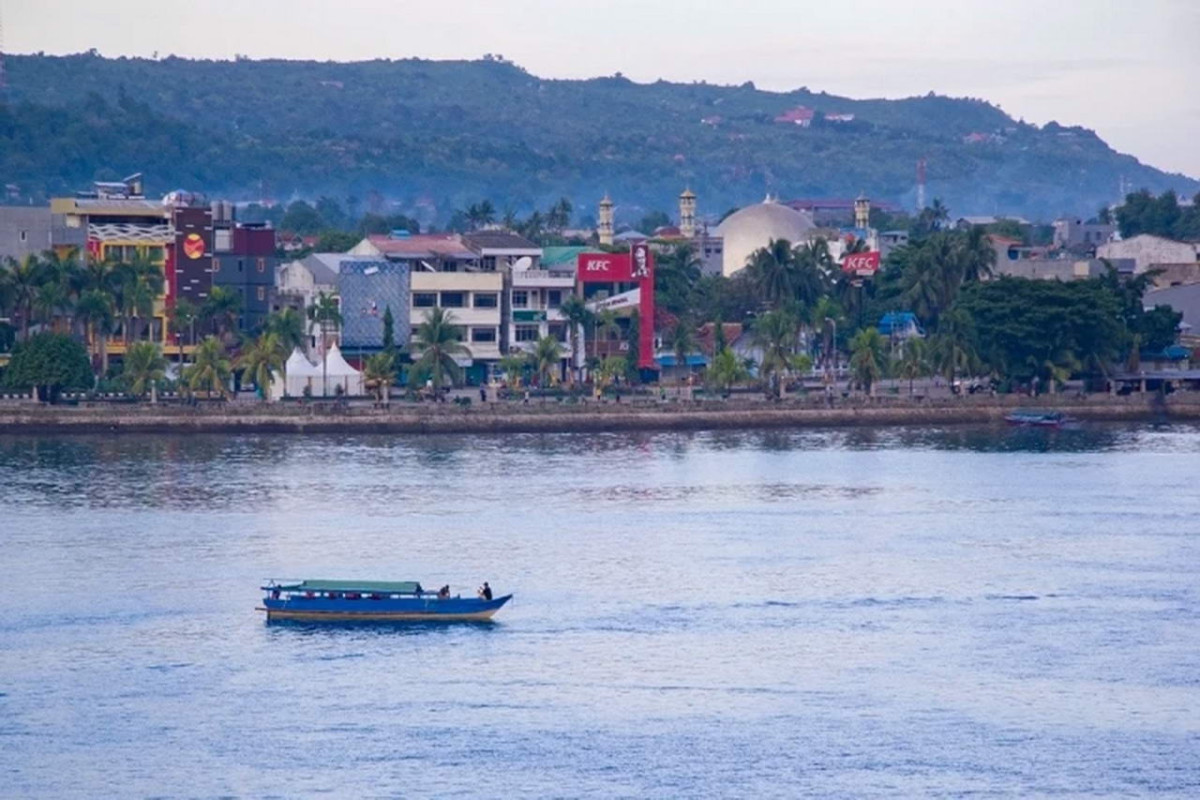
[[444, 592], [485, 591]]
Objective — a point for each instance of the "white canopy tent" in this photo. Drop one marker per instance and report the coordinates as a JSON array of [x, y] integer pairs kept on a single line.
[[339, 374], [307, 378], [299, 372]]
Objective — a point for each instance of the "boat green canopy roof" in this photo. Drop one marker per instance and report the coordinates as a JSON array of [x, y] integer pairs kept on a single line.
[[397, 587]]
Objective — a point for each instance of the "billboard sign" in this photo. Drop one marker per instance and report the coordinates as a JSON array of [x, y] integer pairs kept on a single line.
[[636, 267], [864, 265]]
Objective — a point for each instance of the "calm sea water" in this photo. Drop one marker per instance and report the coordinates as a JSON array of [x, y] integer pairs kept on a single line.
[[835, 614]]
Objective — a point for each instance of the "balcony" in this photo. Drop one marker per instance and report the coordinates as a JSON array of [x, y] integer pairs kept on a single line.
[[543, 278]]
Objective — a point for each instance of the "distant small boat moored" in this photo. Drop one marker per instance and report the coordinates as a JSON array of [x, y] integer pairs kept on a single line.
[[372, 601], [1037, 418]]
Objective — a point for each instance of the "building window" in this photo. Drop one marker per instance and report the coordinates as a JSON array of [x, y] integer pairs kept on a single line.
[[241, 265], [154, 253], [216, 265], [262, 265], [554, 298], [453, 299], [412, 334], [486, 300], [424, 299], [527, 333], [483, 334], [262, 293], [520, 298], [559, 332], [24, 236]]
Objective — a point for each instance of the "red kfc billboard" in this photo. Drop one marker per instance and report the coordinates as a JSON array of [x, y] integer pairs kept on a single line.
[[636, 266], [861, 264]]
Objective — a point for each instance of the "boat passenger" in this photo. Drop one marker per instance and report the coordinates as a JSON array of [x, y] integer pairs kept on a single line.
[[485, 591], [444, 592]]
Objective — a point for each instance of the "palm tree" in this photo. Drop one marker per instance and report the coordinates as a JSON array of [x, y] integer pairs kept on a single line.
[[773, 272], [95, 309], [288, 325], [683, 342], [144, 366], [953, 347], [65, 268], [811, 274], [182, 317], [210, 370], [533, 227], [380, 373], [579, 316], [727, 371], [827, 316], [261, 360], [868, 353], [99, 273], [546, 356], [676, 273], [775, 335], [604, 323], [326, 313], [977, 255], [513, 366], [934, 275], [609, 370], [914, 361], [438, 340], [140, 283], [559, 215], [221, 310], [52, 300], [23, 279]]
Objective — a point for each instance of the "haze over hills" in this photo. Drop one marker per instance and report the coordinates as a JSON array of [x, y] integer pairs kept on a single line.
[[445, 133]]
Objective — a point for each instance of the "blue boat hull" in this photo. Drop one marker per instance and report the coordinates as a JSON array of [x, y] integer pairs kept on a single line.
[[403, 609]]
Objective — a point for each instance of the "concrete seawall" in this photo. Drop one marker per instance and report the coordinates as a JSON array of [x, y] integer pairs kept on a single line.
[[557, 418]]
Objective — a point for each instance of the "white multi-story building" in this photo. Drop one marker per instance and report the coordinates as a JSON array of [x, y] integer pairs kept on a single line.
[[473, 300], [1149, 251]]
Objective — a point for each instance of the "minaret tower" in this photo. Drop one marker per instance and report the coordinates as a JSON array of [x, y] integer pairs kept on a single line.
[[687, 214], [862, 212], [604, 228]]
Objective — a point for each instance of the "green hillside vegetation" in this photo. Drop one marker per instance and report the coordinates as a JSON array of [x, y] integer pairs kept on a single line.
[[435, 136]]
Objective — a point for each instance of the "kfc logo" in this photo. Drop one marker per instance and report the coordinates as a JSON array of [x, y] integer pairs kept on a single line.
[[596, 265], [641, 262], [861, 263]]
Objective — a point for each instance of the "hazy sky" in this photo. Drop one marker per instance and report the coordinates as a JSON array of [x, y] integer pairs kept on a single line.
[[1128, 70]]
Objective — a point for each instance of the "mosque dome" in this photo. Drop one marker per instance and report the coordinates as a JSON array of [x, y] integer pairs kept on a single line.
[[754, 227]]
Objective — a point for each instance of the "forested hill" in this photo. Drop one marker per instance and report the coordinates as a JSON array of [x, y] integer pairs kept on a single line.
[[444, 133]]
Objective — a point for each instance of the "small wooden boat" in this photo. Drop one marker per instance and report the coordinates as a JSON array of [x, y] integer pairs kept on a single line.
[[372, 601], [1037, 418]]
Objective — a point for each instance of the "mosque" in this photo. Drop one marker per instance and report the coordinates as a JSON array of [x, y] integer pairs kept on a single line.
[[725, 249]]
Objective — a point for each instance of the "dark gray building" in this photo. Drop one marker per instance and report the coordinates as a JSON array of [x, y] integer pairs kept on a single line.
[[244, 262]]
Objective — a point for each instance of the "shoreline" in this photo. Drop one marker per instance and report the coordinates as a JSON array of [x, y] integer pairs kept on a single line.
[[589, 418]]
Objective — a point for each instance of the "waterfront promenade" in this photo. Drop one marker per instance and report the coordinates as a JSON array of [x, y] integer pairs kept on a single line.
[[555, 417]]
